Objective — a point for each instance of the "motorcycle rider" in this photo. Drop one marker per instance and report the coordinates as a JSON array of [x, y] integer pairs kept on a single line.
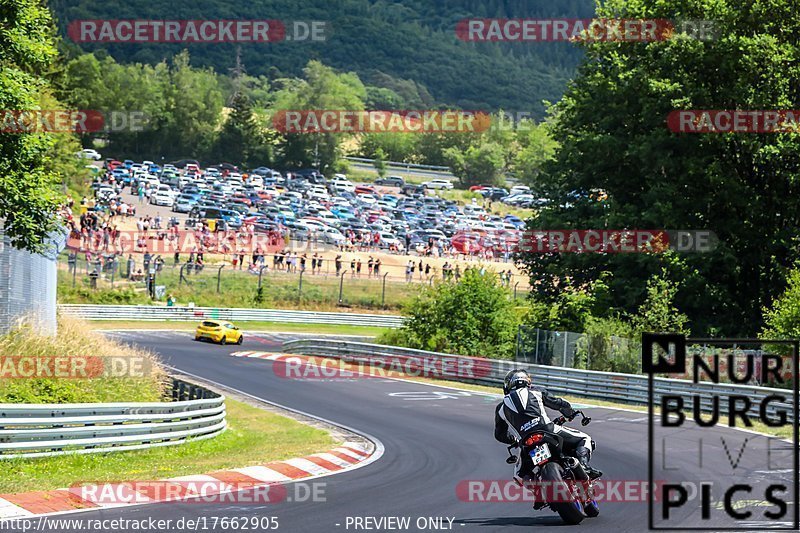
[[523, 410]]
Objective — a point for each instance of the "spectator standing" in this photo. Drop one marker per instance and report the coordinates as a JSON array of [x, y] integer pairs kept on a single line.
[[358, 267], [370, 264]]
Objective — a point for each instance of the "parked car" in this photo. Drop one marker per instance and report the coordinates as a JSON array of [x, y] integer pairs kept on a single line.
[[391, 181], [184, 203], [162, 198], [438, 184], [88, 153], [409, 189], [494, 193]]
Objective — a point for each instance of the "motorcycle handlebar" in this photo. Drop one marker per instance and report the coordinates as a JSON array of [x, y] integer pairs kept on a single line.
[[585, 420]]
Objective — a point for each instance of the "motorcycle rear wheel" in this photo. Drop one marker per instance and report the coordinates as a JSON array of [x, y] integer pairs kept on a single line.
[[571, 512]]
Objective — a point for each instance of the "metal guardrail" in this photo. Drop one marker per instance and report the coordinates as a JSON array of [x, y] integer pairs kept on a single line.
[[438, 168], [42, 430], [161, 313], [627, 388]]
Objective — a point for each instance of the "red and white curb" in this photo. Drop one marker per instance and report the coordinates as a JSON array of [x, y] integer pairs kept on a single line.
[[348, 456], [270, 356]]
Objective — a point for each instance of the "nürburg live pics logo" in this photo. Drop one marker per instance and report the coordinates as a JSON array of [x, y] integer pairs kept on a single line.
[[722, 435]]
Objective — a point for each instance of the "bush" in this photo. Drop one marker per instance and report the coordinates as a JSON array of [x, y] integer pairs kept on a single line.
[[658, 312], [783, 318], [609, 345], [473, 317]]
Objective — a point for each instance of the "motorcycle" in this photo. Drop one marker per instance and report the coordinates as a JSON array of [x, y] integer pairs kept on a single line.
[[557, 480]]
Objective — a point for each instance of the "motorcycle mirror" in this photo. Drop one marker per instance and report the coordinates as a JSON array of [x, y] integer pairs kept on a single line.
[[585, 420]]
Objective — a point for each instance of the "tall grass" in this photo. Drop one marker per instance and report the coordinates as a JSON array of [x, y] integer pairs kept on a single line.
[[76, 339]]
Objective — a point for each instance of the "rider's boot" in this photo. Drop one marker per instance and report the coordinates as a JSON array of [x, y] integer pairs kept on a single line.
[[583, 456]]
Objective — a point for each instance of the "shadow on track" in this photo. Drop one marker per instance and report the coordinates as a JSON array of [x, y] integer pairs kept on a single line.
[[549, 521]]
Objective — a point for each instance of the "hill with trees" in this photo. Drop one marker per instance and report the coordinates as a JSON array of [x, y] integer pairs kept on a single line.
[[407, 50]]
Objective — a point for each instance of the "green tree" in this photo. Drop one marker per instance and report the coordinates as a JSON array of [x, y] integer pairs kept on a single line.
[[321, 88], [782, 318], [241, 138], [182, 104], [612, 135], [477, 164], [380, 162], [397, 146], [28, 184], [536, 147], [573, 309], [658, 313], [194, 103]]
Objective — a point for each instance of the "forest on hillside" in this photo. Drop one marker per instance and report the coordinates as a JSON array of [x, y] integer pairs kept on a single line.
[[409, 47]]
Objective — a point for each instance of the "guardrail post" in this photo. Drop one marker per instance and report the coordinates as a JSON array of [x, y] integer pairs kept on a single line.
[[341, 285], [383, 290], [219, 276], [515, 291], [566, 340], [536, 356]]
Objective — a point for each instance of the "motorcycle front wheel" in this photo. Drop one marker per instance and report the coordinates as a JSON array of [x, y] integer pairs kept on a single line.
[[570, 510]]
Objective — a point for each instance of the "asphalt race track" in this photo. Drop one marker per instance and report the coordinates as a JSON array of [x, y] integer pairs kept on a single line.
[[435, 438]]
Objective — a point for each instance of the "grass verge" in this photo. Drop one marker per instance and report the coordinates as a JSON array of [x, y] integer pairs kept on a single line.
[[238, 289], [254, 436], [77, 344], [330, 329]]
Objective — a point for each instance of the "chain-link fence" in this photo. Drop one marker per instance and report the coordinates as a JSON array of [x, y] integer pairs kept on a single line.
[[578, 350], [302, 281], [28, 286], [545, 347]]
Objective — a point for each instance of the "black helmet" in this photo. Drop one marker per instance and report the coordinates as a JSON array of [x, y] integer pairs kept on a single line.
[[516, 379]]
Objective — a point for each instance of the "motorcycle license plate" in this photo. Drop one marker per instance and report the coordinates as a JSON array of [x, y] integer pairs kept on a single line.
[[540, 454]]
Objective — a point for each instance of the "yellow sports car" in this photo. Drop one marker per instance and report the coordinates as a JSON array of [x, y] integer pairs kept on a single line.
[[218, 331]]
